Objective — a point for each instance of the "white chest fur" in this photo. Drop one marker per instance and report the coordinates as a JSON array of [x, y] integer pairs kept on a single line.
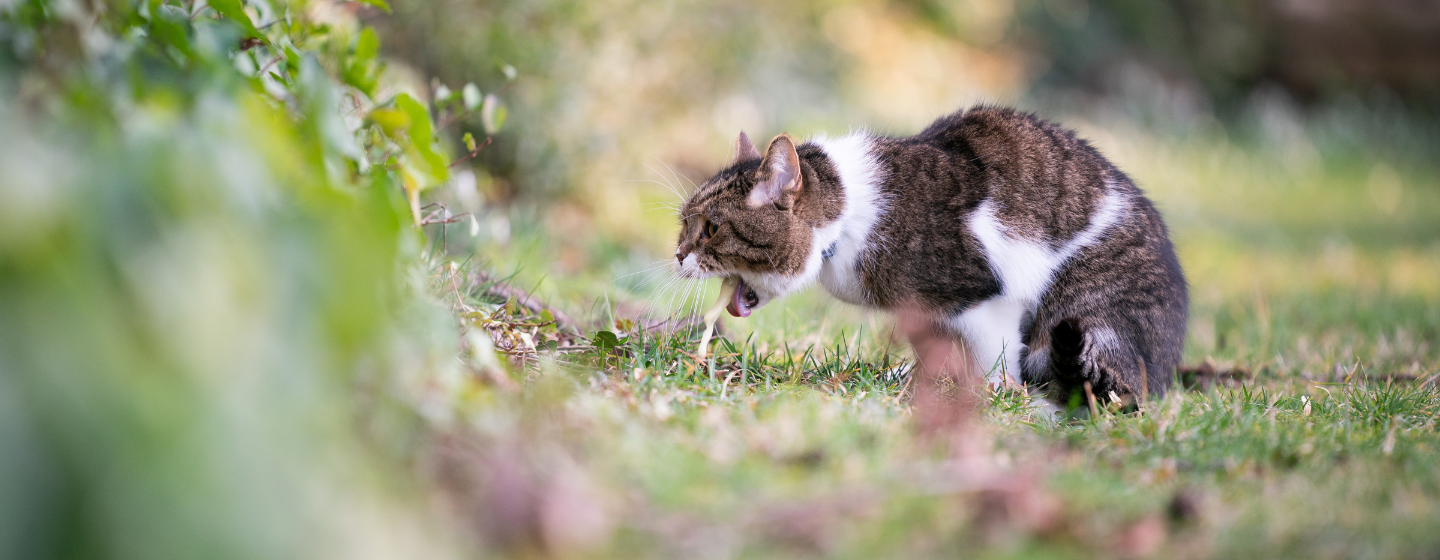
[[1025, 269], [860, 177]]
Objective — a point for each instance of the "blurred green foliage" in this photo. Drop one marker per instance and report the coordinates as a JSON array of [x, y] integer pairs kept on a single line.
[[208, 257], [600, 77]]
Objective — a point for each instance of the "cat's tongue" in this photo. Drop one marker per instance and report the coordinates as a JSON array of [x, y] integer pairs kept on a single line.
[[737, 305]]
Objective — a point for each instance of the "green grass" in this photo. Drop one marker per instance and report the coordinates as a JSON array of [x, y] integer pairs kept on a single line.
[[1316, 298], [730, 453]]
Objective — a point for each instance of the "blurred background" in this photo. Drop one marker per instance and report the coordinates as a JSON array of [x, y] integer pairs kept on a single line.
[[1290, 144]]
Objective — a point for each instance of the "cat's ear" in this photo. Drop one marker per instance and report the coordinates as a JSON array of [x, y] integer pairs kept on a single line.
[[779, 175], [744, 150]]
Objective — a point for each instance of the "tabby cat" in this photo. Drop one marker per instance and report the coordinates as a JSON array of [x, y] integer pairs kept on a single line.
[[1011, 232]]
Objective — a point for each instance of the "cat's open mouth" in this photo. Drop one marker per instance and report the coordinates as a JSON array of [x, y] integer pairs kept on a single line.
[[744, 299]]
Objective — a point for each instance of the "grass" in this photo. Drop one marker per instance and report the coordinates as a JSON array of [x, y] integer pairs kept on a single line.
[[797, 438], [768, 450]]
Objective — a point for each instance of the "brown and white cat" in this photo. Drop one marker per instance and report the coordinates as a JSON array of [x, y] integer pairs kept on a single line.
[[1014, 234]]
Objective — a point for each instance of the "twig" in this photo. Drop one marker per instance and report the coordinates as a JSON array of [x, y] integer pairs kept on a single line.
[[524, 299], [456, 116], [452, 118], [199, 11], [267, 66], [472, 154], [429, 220]]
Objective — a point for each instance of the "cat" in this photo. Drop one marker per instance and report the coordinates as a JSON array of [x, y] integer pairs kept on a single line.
[[1011, 232]]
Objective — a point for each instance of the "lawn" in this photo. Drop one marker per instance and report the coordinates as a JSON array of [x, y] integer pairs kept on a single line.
[[1304, 423]]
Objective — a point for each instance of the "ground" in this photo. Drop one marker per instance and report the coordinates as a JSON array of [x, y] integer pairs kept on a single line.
[[1304, 424]]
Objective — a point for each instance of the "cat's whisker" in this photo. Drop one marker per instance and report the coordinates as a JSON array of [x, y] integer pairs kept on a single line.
[[672, 287], [667, 284], [672, 206], [696, 302], [685, 304], [666, 185], [692, 302], [651, 300], [674, 189], [651, 273], [684, 298], [644, 311], [677, 175], [678, 184], [648, 267], [687, 287], [650, 277], [651, 267]]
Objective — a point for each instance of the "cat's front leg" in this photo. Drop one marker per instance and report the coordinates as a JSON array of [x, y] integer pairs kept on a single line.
[[991, 330]]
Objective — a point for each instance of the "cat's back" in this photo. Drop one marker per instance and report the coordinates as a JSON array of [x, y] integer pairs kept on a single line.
[[1043, 180]]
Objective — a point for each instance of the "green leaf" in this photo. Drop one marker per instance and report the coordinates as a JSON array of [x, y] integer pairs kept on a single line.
[[368, 46], [470, 147], [361, 71], [493, 114], [422, 137], [604, 341], [362, 77], [391, 120], [292, 58], [170, 26], [233, 9]]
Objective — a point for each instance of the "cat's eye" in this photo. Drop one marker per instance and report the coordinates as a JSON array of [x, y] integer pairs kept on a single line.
[[711, 228]]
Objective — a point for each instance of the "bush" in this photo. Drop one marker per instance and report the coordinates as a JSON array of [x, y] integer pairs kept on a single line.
[[208, 257]]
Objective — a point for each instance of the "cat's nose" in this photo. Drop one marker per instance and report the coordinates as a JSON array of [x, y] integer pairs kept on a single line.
[[680, 258]]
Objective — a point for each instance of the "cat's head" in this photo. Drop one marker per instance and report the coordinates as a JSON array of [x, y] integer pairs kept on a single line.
[[754, 221]]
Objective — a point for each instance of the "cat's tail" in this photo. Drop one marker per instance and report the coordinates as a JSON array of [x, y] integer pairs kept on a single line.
[[1093, 355], [1067, 344], [1065, 378]]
